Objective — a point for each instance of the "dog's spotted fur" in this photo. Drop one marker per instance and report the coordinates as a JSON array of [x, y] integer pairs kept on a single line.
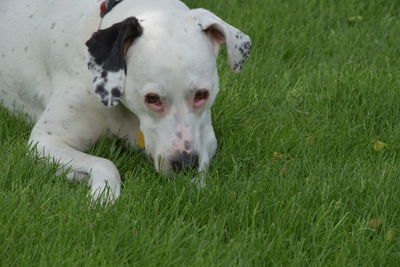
[[106, 58], [108, 84], [239, 44], [58, 58]]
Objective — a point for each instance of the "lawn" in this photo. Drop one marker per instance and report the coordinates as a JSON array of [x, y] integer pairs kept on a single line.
[[306, 173]]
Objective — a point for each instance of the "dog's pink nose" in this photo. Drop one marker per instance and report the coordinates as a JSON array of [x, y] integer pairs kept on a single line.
[[184, 161]]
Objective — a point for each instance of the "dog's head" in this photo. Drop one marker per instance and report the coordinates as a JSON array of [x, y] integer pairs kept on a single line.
[[162, 67]]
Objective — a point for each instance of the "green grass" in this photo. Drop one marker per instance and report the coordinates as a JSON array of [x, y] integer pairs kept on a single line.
[[321, 87]]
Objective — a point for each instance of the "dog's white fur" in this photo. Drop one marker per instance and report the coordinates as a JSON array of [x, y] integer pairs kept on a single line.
[[43, 72]]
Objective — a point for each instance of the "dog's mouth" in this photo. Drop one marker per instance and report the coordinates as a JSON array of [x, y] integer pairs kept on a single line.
[[184, 161], [180, 161]]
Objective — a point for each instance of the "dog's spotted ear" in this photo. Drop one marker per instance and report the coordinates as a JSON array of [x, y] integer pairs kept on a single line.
[[219, 32], [107, 51]]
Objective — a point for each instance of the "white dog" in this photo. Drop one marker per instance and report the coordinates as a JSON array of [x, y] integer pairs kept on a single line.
[[137, 69]]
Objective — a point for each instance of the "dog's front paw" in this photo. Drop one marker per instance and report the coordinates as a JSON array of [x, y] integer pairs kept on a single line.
[[105, 192], [105, 183]]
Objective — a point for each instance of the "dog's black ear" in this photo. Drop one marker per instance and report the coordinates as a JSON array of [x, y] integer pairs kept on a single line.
[[219, 32], [107, 50]]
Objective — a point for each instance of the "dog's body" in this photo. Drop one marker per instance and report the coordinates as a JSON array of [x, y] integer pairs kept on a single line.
[[160, 66]]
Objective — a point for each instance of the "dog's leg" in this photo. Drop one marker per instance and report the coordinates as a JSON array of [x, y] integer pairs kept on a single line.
[[103, 175], [70, 124]]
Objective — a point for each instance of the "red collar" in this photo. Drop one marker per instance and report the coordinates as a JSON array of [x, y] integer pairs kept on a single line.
[[107, 5]]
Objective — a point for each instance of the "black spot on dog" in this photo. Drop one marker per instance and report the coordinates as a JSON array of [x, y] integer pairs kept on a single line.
[[103, 94], [90, 65], [239, 35], [49, 133], [94, 79], [245, 49], [101, 90], [53, 25], [239, 65], [104, 74], [247, 45], [115, 92]]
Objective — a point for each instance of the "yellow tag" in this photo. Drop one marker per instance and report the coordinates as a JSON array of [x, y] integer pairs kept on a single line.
[[140, 139]]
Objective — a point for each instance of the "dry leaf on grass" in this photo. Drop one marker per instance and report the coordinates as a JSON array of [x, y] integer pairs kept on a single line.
[[379, 145], [276, 156], [375, 223]]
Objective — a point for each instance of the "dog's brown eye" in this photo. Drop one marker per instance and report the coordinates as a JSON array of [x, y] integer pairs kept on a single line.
[[201, 95], [153, 99]]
